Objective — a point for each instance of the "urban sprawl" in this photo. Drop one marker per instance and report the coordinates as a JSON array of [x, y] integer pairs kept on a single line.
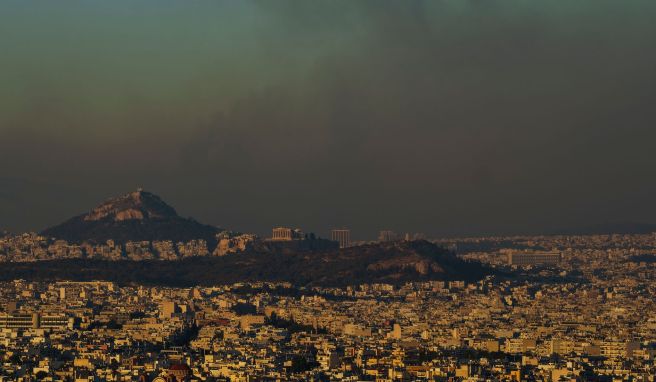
[[577, 308]]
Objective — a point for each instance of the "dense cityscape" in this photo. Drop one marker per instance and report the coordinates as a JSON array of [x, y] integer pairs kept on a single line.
[[585, 313], [364, 191]]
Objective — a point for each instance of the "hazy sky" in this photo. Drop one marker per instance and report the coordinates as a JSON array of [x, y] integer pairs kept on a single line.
[[443, 117]]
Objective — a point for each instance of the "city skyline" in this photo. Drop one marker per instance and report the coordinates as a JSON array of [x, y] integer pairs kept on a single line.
[[375, 233]]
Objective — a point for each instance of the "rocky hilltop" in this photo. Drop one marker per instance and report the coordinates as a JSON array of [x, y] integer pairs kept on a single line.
[[394, 263], [136, 216], [138, 205]]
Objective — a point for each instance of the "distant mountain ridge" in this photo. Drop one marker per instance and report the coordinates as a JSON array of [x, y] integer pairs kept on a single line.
[[136, 216], [622, 228]]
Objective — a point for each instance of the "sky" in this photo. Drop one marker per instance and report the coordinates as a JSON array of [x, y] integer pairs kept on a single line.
[[447, 117]]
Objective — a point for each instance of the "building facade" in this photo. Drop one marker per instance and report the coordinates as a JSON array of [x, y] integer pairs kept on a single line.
[[537, 258], [35, 321], [342, 236], [284, 233]]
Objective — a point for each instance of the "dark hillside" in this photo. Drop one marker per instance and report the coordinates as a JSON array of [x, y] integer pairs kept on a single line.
[[393, 263]]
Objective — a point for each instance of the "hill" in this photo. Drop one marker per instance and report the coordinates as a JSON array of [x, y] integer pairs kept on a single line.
[[137, 216], [394, 263]]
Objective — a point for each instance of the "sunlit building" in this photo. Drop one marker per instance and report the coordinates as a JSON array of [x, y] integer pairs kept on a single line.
[[283, 233], [342, 236]]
